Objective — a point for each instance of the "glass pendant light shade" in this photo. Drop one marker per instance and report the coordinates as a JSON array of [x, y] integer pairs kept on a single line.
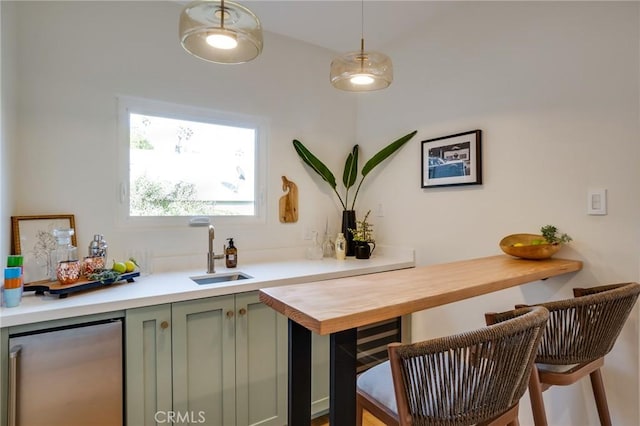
[[361, 71], [224, 32]]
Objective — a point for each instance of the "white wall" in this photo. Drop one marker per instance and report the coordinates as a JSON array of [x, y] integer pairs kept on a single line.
[[7, 123], [84, 54], [554, 88]]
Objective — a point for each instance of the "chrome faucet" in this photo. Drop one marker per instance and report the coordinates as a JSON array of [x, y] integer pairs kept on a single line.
[[211, 257]]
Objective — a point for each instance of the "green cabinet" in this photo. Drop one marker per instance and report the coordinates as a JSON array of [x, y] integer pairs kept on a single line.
[[148, 364], [203, 360], [218, 361], [261, 363]]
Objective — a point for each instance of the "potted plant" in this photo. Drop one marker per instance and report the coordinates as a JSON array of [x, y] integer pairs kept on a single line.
[[363, 238], [550, 234], [349, 177]]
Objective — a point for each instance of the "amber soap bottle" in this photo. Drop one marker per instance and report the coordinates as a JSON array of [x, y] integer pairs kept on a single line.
[[231, 254]]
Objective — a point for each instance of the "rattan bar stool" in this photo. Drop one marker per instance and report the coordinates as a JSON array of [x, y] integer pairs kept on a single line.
[[477, 377], [579, 333]]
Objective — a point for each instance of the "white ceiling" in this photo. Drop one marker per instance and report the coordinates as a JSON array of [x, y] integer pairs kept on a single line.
[[336, 24]]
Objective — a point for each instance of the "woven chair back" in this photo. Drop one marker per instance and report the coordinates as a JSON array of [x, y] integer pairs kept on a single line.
[[470, 377], [586, 327]]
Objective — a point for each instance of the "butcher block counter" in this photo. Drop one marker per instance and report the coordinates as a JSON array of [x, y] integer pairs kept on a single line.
[[337, 307]]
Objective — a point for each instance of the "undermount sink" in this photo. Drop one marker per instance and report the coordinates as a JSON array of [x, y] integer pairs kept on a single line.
[[221, 278]]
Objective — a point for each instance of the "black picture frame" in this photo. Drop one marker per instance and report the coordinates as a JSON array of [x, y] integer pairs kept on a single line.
[[452, 160]]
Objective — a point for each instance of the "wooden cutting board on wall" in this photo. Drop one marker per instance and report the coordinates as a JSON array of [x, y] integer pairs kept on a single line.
[[288, 206]]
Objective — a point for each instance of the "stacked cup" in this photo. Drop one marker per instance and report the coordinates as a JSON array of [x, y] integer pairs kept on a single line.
[[15, 260], [13, 281]]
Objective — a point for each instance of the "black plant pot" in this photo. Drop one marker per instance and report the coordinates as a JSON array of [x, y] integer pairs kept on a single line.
[[363, 250], [349, 222]]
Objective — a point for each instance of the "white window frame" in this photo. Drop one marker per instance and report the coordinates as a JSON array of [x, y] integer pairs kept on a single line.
[[127, 105]]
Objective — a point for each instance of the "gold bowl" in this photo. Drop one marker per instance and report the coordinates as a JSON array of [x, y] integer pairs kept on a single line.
[[528, 250]]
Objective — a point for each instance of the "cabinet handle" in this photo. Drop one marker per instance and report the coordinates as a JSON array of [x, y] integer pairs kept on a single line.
[[14, 357], [229, 314], [164, 325], [242, 311]]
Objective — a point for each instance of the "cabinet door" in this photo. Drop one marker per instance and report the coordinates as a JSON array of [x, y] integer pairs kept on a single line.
[[148, 365], [261, 369], [204, 361]]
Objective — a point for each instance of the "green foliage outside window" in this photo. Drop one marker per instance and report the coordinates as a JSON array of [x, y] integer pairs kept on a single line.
[[154, 198]]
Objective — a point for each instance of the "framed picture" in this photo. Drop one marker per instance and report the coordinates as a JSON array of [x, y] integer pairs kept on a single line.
[[452, 160], [32, 237]]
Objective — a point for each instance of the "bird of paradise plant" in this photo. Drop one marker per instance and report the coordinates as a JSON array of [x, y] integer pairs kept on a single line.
[[350, 173]]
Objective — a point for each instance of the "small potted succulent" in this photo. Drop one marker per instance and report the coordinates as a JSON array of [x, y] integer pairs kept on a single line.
[[363, 238], [550, 234]]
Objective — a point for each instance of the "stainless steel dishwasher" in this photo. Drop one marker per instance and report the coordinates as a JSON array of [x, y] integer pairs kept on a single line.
[[67, 376]]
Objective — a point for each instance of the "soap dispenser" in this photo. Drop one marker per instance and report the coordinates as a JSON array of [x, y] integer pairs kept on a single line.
[[231, 254]]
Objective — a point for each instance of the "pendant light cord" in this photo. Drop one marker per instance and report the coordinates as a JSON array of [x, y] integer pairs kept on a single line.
[[362, 36], [222, 14], [362, 26]]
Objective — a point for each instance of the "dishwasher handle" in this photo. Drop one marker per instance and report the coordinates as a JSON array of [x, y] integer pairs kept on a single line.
[[12, 409]]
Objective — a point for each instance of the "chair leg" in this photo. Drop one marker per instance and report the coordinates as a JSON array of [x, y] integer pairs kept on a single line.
[[535, 395], [601, 398], [359, 413], [374, 408]]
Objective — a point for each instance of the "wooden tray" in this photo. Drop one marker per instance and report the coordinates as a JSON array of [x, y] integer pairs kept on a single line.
[[62, 291]]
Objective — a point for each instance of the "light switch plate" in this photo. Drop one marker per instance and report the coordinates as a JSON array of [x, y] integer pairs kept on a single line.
[[597, 202]]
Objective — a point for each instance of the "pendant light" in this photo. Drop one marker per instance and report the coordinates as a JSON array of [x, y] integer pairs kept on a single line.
[[221, 31], [361, 71]]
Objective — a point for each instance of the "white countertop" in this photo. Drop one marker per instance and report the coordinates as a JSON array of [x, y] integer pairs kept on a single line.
[[174, 286]]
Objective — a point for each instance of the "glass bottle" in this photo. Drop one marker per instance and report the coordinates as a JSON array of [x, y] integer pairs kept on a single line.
[[328, 246], [314, 252], [341, 247], [63, 252]]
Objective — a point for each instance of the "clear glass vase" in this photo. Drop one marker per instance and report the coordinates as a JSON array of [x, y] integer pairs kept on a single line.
[[64, 251]]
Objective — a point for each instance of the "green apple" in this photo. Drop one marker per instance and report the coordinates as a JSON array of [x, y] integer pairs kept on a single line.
[[119, 267]]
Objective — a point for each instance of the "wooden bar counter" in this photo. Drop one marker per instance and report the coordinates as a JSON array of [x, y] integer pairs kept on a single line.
[[338, 306]]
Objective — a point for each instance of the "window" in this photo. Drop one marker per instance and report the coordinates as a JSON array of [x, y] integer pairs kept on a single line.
[[184, 161]]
